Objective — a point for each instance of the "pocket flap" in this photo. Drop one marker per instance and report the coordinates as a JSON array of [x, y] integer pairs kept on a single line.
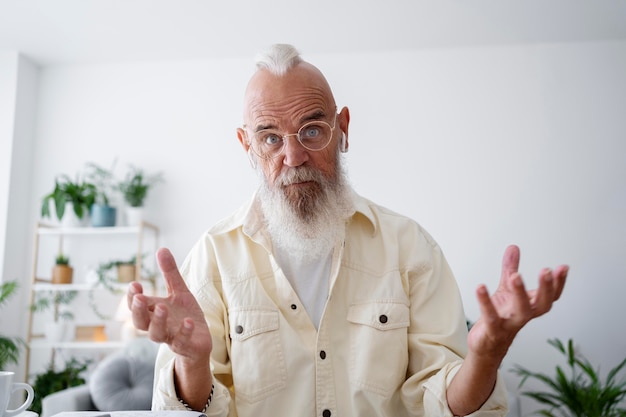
[[382, 315], [250, 321]]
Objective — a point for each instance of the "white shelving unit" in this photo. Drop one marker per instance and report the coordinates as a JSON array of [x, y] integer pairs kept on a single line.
[[86, 247]]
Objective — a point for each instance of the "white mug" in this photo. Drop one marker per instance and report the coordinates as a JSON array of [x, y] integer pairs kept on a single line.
[[7, 388]]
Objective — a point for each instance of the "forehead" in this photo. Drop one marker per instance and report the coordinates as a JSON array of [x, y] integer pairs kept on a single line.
[[288, 99]]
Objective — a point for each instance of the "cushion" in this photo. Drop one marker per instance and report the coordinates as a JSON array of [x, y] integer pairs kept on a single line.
[[122, 382]]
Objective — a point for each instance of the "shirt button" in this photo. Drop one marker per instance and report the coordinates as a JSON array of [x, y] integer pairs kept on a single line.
[[326, 413], [239, 329], [293, 306], [383, 319], [322, 354]]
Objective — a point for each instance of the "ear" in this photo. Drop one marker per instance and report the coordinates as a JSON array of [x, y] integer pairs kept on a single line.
[[243, 139]]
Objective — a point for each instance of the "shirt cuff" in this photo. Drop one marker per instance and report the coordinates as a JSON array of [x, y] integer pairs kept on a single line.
[[164, 395], [436, 403]]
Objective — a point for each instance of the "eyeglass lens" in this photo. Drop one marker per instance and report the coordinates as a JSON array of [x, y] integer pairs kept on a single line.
[[314, 136]]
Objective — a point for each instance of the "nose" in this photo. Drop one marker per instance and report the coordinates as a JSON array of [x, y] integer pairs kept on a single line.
[[294, 153]]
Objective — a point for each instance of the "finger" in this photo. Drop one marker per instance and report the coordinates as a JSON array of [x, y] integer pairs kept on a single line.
[[510, 264], [140, 311], [560, 276], [173, 280], [488, 312], [159, 330], [521, 311], [544, 296], [134, 288]]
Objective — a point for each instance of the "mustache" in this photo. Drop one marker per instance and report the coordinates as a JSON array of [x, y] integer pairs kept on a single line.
[[301, 174]]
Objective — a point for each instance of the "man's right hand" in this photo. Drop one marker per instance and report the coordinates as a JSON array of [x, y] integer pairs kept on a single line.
[[176, 319]]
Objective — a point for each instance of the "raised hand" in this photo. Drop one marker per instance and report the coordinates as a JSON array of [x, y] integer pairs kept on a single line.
[[512, 306], [176, 319]]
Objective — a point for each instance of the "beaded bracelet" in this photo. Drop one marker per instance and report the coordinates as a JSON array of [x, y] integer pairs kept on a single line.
[[206, 407]]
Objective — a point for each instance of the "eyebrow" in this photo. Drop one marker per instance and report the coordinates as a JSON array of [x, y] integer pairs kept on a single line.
[[317, 115]]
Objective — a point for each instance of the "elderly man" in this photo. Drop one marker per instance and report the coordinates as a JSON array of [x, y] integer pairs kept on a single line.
[[313, 301]]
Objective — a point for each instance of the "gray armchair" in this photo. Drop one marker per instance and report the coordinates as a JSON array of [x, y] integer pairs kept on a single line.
[[121, 381]]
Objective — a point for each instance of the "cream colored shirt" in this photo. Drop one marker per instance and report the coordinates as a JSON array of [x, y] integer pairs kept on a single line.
[[391, 337]]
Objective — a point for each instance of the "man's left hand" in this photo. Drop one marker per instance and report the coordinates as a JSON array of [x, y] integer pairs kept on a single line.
[[512, 306]]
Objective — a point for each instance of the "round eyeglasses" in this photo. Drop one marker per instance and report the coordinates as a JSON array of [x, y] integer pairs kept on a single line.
[[314, 136]]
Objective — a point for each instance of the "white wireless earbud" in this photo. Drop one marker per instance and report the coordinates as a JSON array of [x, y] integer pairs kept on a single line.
[[251, 158], [343, 146]]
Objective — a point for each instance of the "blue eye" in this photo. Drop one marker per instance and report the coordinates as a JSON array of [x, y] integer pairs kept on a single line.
[[311, 132], [271, 139]]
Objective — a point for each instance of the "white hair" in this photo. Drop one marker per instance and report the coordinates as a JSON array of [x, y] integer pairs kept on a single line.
[[278, 58]]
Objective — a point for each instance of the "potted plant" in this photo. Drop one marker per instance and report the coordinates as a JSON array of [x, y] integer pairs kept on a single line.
[[52, 380], [79, 194], [582, 392], [59, 329], [107, 280], [103, 214], [9, 346], [134, 188], [62, 272], [125, 268]]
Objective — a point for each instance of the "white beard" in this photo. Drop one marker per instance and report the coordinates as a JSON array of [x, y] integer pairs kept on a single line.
[[307, 225]]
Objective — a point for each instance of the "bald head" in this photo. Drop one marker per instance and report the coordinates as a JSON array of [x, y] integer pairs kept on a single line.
[[284, 83]]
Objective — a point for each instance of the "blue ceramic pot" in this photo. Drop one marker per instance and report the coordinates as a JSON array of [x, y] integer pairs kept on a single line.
[[102, 216]]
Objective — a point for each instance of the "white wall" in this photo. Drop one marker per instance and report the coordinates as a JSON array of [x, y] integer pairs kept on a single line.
[[8, 86], [483, 146], [18, 91]]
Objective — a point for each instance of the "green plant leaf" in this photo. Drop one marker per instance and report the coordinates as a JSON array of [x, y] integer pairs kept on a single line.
[[612, 374], [52, 381], [46, 300], [59, 205], [579, 392], [6, 290], [10, 347]]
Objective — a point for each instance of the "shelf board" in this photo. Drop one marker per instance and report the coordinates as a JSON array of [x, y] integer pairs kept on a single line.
[[87, 231], [42, 286], [112, 344], [53, 230]]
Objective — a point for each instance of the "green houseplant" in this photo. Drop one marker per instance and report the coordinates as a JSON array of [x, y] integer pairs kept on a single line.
[[60, 327], [107, 280], [125, 269], [52, 380], [582, 393], [62, 272], [46, 300], [9, 346], [134, 188], [136, 185], [103, 214], [79, 193]]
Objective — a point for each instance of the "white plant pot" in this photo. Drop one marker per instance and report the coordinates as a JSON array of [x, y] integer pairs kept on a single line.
[[61, 331], [70, 219], [134, 216]]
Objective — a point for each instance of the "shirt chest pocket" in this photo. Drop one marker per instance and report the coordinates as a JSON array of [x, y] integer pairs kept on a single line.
[[258, 360], [379, 345]]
